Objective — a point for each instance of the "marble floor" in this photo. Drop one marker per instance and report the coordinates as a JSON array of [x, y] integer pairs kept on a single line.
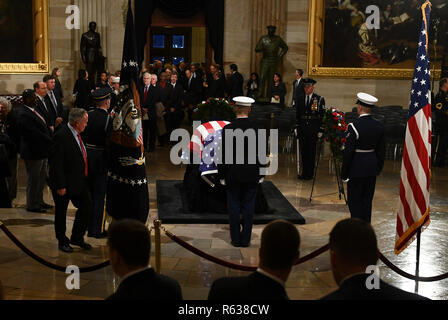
[[23, 278]]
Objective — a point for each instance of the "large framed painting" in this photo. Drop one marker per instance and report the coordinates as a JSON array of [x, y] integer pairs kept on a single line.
[[24, 36], [341, 43]]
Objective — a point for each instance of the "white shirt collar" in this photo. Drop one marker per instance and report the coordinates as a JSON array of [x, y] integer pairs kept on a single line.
[[259, 270], [134, 273], [74, 132], [365, 115]]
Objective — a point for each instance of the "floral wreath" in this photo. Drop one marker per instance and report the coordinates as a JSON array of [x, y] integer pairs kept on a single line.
[[335, 131], [214, 109]]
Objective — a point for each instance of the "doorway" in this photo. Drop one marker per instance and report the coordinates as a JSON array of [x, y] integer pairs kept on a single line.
[[170, 45]]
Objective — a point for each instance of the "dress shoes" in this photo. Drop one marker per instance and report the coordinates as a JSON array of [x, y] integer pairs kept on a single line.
[[245, 245], [46, 206], [65, 248], [236, 245], [37, 210], [81, 244]]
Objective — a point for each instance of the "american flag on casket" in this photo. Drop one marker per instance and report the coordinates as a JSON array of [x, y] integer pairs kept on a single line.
[[205, 145]]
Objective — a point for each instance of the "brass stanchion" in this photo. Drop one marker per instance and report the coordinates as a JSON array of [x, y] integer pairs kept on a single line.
[[158, 246]]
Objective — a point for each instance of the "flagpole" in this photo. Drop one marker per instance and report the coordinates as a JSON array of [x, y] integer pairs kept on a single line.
[[417, 264]]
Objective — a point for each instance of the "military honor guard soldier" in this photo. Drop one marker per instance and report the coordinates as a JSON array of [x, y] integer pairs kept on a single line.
[[96, 138], [363, 158], [441, 123], [310, 113]]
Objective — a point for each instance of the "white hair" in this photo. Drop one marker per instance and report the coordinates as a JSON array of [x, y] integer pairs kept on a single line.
[[6, 103]]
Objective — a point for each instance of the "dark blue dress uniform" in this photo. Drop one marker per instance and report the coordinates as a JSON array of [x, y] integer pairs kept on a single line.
[[310, 113], [363, 162], [96, 138], [440, 109]]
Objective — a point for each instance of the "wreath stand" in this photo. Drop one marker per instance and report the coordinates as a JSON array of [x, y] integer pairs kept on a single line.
[[337, 166]]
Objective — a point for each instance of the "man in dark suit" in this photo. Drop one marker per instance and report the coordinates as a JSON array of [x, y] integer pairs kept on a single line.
[[96, 137], [56, 109], [69, 174], [192, 90], [35, 146], [175, 113], [235, 84], [298, 88], [129, 243], [363, 161], [278, 253], [310, 113], [149, 96], [241, 171], [42, 107], [354, 249]]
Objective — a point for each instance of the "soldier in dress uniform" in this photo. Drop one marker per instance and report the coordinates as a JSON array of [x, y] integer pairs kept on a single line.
[[96, 137], [363, 161], [310, 113], [441, 123]]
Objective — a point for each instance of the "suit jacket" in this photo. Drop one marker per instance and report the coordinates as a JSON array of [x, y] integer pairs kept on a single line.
[[216, 88], [176, 96], [67, 167], [83, 93], [45, 111], [35, 138], [235, 86], [279, 90], [355, 288], [148, 285], [249, 172], [298, 92], [255, 287], [366, 133], [57, 111], [154, 95], [193, 91]]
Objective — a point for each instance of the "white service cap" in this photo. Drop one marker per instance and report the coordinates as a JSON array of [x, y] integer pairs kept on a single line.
[[243, 101], [366, 99]]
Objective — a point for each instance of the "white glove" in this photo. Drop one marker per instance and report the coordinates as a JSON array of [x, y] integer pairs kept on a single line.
[[346, 180], [261, 181], [223, 182], [320, 135]]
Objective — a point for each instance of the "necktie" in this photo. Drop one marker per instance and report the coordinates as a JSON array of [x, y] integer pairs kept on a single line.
[[53, 100], [84, 154], [43, 102], [307, 101], [146, 93], [189, 82]]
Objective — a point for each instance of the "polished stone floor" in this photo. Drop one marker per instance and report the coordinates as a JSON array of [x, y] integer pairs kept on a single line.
[[24, 278]]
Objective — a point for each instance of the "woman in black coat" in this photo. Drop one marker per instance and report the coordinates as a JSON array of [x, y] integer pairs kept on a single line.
[[252, 86], [278, 90], [83, 91], [56, 73]]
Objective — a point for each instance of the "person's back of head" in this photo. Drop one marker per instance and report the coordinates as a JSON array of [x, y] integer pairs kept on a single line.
[[353, 247], [129, 244], [279, 249]]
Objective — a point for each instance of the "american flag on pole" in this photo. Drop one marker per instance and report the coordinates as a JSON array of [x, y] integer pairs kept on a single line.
[[413, 208]]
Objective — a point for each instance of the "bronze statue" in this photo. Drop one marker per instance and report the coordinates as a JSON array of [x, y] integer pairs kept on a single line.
[[270, 45], [91, 52]]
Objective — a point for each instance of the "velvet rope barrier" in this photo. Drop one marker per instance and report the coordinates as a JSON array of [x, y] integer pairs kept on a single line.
[[404, 274], [231, 265], [44, 262]]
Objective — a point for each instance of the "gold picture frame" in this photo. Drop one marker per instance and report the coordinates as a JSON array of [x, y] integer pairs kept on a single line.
[[40, 44], [316, 48]]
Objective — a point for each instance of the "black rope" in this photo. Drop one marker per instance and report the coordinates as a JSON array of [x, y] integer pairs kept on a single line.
[[42, 260]]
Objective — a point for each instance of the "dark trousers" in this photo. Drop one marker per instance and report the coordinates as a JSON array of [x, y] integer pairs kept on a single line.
[[5, 201], [441, 148], [83, 203], [150, 132], [308, 142], [12, 180], [98, 190], [36, 171], [241, 204], [360, 192]]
